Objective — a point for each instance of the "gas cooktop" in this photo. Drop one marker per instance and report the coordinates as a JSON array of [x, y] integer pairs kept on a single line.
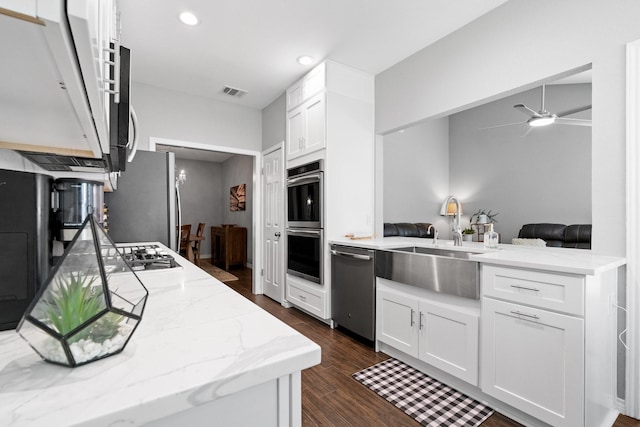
[[146, 257]]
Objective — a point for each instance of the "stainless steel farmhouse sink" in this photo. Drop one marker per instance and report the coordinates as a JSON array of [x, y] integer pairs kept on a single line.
[[437, 269]]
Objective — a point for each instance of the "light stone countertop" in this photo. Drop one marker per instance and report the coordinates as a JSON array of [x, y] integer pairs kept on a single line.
[[574, 261], [198, 340]]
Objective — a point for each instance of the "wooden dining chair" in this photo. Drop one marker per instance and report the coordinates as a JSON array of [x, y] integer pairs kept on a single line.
[[196, 246], [185, 230]]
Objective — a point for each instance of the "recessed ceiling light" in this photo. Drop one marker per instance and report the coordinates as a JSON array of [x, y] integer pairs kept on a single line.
[[305, 60], [188, 18]]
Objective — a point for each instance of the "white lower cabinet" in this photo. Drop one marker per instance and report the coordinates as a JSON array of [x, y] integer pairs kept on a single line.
[[439, 333], [449, 340], [396, 321], [548, 344], [533, 359]]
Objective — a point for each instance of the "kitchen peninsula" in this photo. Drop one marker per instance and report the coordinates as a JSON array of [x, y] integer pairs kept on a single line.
[[536, 339], [202, 354]]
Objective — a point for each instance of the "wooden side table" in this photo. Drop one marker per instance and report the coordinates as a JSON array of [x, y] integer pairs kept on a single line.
[[228, 246]]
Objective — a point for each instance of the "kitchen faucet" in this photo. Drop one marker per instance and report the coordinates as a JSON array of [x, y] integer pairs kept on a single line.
[[435, 233], [457, 231]]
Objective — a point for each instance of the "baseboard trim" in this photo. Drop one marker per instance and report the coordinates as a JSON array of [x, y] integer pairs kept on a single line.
[[620, 404]]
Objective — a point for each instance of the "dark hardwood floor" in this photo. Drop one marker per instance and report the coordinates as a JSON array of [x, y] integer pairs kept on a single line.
[[330, 396]]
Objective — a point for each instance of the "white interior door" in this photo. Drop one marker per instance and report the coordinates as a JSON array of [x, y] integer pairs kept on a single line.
[[273, 224]]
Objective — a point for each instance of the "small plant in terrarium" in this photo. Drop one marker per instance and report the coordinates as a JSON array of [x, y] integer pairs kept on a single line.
[[74, 302], [82, 313], [469, 231]]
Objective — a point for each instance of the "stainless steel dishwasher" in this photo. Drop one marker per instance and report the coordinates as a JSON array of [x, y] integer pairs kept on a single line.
[[353, 289]]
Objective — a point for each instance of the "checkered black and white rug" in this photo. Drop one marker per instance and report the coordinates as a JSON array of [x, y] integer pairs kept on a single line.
[[428, 401]]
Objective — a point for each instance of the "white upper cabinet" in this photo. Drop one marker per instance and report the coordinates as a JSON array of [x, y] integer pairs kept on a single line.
[[306, 126], [93, 27], [52, 92], [305, 88]]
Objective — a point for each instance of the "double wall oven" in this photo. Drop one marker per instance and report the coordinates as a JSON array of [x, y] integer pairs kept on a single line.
[[305, 234]]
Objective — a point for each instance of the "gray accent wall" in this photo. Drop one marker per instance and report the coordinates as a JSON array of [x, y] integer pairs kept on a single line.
[[416, 174], [235, 171], [274, 122], [205, 196], [542, 177], [201, 197]]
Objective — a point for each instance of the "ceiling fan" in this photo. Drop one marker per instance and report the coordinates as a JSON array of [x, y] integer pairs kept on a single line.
[[545, 118]]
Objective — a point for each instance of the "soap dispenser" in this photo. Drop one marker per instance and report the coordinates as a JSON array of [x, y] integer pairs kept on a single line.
[[491, 238]]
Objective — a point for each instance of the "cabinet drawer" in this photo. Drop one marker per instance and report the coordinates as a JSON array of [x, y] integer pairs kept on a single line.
[[307, 299], [560, 292]]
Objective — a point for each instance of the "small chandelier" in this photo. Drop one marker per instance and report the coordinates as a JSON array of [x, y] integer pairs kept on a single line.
[[182, 177]]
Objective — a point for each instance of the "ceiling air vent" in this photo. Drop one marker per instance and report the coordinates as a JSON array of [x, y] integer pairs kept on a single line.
[[234, 91]]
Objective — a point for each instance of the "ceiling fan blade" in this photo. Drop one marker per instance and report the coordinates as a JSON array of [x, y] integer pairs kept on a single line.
[[574, 110], [501, 126], [529, 130], [526, 110], [573, 122]]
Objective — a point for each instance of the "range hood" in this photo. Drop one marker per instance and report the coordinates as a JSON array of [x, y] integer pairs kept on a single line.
[[60, 163]]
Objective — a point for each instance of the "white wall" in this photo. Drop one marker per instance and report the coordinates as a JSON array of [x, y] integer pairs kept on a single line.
[[543, 177], [513, 47], [235, 171], [416, 174], [274, 122], [167, 114]]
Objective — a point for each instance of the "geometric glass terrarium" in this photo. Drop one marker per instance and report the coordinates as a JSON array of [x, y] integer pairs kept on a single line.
[[90, 304]]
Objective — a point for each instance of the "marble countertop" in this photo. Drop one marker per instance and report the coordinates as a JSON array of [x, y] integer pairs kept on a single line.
[[198, 340], [575, 261]]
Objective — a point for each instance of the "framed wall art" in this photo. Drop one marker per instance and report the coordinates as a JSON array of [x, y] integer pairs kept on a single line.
[[238, 197]]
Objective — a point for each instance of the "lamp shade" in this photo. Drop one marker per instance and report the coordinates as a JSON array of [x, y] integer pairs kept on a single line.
[[449, 209]]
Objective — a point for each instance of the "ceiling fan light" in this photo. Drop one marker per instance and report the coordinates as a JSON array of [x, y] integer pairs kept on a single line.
[[541, 121]]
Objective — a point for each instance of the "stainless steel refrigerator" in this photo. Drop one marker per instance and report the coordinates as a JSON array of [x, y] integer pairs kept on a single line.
[[144, 207]]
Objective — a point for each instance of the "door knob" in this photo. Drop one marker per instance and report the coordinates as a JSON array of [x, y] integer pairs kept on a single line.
[[277, 234]]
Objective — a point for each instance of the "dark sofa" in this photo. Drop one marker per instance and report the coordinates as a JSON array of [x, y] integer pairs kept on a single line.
[[407, 229], [577, 236]]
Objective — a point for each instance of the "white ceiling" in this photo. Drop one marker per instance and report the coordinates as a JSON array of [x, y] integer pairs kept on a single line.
[[253, 44]]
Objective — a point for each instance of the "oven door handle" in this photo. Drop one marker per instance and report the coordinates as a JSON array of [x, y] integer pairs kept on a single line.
[[311, 177]]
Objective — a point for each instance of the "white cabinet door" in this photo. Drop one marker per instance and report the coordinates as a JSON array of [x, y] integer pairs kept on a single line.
[[397, 321], [294, 95], [449, 340], [295, 123], [315, 123], [533, 360], [306, 127]]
